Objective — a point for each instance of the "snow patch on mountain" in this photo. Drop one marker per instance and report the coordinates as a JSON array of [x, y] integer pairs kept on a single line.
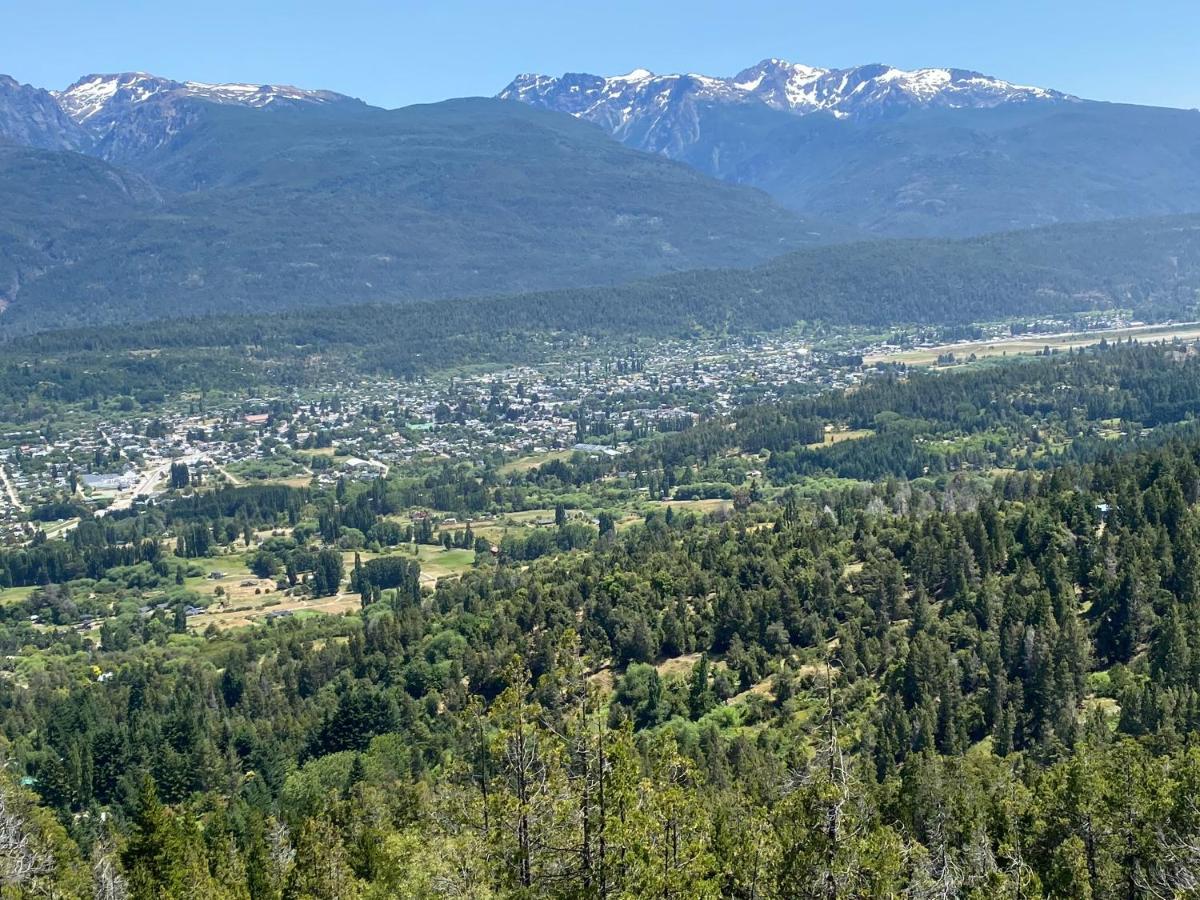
[[96, 98], [646, 104]]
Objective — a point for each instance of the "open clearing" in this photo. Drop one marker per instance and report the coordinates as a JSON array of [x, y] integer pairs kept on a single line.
[[678, 666], [836, 437], [248, 600], [529, 516], [526, 463], [696, 506], [1035, 343], [241, 614], [437, 563], [15, 594]]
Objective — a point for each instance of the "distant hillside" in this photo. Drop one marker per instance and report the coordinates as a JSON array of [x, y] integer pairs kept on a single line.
[[931, 152], [57, 207], [1152, 266], [964, 172], [202, 199], [32, 117], [264, 210]]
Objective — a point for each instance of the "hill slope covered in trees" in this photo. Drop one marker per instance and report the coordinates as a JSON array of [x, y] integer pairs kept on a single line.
[[966, 684], [1151, 266], [257, 210]]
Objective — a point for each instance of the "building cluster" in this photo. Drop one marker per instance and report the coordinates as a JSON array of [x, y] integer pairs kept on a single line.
[[366, 429]]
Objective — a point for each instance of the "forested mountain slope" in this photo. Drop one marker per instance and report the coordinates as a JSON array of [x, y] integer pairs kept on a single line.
[[271, 198], [57, 207], [263, 210], [932, 152], [958, 172], [1151, 266], [947, 173]]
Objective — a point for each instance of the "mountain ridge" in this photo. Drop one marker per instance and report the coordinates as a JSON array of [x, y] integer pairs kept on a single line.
[[303, 207], [33, 117], [899, 153], [105, 115], [1148, 266], [93, 95], [622, 104]]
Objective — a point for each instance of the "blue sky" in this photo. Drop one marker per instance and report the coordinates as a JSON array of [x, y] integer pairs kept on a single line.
[[393, 54]]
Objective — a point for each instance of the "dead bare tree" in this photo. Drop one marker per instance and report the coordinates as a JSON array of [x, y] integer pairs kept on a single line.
[[830, 768], [938, 876], [280, 850], [108, 882], [1177, 873], [21, 861]]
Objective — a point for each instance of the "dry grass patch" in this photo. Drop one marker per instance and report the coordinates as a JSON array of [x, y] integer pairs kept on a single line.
[[678, 665], [1026, 344], [836, 437], [764, 688], [532, 461], [242, 615], [697, 506], [603, 679]]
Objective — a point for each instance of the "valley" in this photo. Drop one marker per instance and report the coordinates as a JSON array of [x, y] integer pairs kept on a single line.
[[598, 400], [781, 485], [615, 487], [597, 414]]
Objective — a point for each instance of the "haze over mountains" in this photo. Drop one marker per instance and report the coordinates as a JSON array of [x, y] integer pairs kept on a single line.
[[132, 196]]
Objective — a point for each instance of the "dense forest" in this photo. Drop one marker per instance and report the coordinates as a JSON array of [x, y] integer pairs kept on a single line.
[[976, 681], [1150, 266]]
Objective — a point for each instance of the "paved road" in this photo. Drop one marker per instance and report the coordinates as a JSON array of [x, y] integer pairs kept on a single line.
[[149, 480]]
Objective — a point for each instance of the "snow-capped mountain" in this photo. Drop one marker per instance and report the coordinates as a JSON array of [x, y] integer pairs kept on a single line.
[[30, 116], [99, 101], [871, 150], [118, 116], [658, 112]]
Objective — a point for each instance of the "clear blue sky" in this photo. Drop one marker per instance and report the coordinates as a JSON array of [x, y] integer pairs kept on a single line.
[[392, 54]]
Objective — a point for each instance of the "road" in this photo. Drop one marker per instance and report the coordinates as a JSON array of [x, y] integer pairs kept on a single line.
[[8, 487], [233, 479], [146, 484]]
